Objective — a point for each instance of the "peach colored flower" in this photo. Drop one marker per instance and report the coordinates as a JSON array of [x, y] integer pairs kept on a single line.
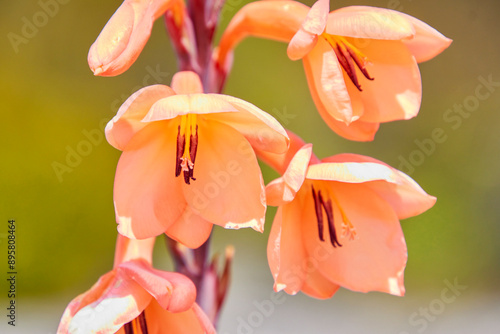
[[360, 62], [338, 224], [135, 298], [188, 161], [126, 33]]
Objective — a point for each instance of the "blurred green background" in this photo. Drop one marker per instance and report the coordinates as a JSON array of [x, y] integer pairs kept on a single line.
[[52, 105]]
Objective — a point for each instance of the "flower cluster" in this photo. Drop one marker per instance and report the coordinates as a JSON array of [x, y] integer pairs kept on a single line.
[[189, 160]]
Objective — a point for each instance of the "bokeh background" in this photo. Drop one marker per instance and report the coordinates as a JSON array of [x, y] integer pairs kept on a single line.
[[52, 105]]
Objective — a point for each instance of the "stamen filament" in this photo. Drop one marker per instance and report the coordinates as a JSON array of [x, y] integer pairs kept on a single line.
[[348, 55], [348, 229], [319, 214], [187, 145], [328, 208], [137, 326]]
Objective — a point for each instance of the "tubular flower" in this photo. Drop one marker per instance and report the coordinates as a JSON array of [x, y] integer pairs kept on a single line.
[[360, 62], [134, 298], [126, 33], [338, 224], [188, 161]]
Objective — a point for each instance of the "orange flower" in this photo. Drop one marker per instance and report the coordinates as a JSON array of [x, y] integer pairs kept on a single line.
[[135, 298], [126, 33], [360, 62], [188, 161], [338, 223]]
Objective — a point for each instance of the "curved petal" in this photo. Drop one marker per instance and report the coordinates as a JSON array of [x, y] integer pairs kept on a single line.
[[192, 321], [376, 258], [280, 162], [178, 105], [190, 229], [427, 42], [187, 82], [121, 303], [287, 187], [285, 252], [86, 298], [358, 130], [262, 130], [275, 19], [326, 83], [318, 286], [313, 26], [173, 291], [301, 44], [228, 190], [131, 249], [405, 196], [396, 91], [352, 172], [369, 22], [146, 191], [124, 36], [127, 121]]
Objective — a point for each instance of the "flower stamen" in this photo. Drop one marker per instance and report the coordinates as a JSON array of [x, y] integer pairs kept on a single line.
[[187, 146], [348, 56], [328, 208], [137, 326], [348, 229]]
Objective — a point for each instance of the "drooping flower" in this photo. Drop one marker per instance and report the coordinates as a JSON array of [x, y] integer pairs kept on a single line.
[[338, 223], [188, 161], [360, 62], [126, 33], [134, 298]]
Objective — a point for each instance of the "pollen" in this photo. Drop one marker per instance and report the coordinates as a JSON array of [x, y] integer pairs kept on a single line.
[[187, 146], [349, 57]]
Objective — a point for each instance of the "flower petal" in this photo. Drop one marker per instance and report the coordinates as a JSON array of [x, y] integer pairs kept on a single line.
[[192, 321], [285, 190], [121, 303], [279, 162], [228, 190], [313, 26], [427, 42], [301, 44], [405, 196], [262, 130], [190, 229], [178, 105], [358, 130], [396, 91], [326, 83], [318, 286], [131, 249], [146, 191], [277, 20], [187, 82], [376, 258], [124, 36], [173, 291], [86, 298], [127, 121], [285, 252], [315, 21], [369, 22], [352, 172]]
